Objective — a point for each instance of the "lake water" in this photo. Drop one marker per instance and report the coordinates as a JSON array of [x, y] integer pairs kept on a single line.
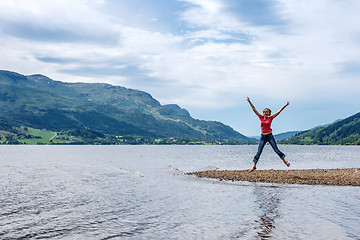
[[140, 192]]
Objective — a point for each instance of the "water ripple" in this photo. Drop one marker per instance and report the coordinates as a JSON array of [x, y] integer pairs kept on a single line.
[[140, 192]]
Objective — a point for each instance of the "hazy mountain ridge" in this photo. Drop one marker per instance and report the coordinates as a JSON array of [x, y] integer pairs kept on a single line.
[[281, 136], [40, 102]]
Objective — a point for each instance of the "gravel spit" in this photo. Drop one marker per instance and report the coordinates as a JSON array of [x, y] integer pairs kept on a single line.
[[338, 177]]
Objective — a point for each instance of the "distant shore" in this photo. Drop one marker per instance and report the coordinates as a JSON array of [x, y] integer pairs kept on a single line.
[[338, 177]]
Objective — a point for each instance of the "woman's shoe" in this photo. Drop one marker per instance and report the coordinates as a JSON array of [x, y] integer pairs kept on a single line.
[[286, 163]]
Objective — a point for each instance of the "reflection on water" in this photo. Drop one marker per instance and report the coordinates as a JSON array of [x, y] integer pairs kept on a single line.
[[267, 201]]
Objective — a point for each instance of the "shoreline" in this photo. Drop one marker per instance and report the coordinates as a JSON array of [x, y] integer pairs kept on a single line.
[[336, 177]]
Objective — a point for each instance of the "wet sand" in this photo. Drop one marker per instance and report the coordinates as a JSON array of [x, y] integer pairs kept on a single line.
[[339, 177]]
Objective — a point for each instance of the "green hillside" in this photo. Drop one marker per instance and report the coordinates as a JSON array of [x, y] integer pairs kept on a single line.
[[345, 132], [39, 102]]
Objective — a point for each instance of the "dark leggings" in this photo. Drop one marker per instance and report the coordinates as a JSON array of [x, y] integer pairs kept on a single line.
[[263, 140]]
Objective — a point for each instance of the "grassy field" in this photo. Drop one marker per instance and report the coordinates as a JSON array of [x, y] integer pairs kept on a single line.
[[43, 137]]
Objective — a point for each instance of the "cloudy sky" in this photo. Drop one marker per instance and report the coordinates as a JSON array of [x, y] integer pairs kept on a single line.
[[205, 55]]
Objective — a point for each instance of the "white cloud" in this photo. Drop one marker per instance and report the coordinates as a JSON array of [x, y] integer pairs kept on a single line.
[[56, 21], [211, 15], [210, 6]]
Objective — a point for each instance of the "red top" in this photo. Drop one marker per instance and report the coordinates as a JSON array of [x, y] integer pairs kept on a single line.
[[266, 124]]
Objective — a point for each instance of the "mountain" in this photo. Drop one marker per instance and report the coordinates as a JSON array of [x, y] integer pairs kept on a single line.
[[286, 135], [346, 131], [40, 102], [281, 136]]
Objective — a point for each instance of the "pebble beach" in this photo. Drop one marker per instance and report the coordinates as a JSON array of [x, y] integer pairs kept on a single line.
[[338, 177]]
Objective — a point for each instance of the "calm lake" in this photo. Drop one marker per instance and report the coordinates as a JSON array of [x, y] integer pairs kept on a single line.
[[140, 192]]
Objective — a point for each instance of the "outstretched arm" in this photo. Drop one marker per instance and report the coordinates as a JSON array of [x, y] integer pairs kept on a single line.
[[278, 112], [253, 108]]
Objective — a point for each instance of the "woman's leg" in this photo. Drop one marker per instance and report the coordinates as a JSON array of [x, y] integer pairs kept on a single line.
[[273, 144], [262, 143]]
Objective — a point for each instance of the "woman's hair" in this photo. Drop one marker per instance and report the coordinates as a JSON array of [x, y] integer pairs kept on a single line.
[[267, 109]]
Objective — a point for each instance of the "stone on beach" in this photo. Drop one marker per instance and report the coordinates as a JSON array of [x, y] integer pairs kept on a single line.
[[339, 177]]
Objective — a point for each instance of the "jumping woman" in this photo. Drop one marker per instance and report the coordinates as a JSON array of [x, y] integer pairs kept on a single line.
[[266, 133]]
